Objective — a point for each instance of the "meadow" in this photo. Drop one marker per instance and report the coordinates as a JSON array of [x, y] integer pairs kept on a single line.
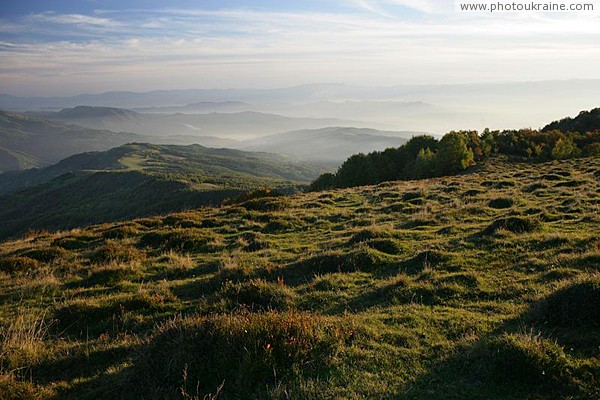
[[483, 285]]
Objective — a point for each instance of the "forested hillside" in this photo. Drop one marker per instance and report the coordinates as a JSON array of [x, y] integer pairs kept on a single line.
[[425, 157]]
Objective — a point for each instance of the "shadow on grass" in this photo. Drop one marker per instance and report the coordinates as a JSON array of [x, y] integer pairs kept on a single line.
[[541, 354]]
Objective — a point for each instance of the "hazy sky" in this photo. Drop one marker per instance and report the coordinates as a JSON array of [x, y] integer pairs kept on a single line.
[[69, 47]]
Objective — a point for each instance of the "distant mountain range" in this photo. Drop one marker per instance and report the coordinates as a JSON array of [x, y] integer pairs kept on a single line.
[[201, 107], [436, 108], [247, 124], [27, 141], [333, 144], [308, 93], [136, 180]]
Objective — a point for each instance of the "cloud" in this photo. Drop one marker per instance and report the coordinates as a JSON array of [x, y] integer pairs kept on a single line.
[[380, 7], [73, 19], [372, 6], [147, 49], [426, 6]]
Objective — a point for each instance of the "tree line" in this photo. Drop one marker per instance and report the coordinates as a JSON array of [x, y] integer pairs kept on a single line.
[[426, 157]]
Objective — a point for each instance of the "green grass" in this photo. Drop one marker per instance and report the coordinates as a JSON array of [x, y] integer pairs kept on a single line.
[[447, 288], [138, 180]]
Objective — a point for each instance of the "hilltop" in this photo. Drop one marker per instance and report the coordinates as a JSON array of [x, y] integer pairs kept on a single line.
[[480, 285], [27, 141], [585, 121], [136, 180]]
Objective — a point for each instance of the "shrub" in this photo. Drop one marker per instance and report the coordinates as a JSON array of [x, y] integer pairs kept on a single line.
[[565, 148], [323, 182], [425, 164], [453, 154], [592, 149], [246, 354]]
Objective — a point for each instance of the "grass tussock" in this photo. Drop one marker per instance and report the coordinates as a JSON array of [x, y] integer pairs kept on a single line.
[[577, 303], [247, 355], [363, 258], [177, 260], [501, 202], [116, 251], [121, 231], [18, 264], [257, 295], [182, 239], [514, 225], [113, 273], [458, 287], [12, 388], [522, 362], [22, 341]]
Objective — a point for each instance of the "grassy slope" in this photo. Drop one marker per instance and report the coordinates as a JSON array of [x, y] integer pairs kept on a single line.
[[476, 286], [36, 142], [137, 180]]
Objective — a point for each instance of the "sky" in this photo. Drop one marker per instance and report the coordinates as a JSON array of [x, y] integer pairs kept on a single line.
[[90, 46]]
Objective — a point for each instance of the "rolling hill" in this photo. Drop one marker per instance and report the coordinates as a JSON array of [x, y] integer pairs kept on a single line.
[[27, 141], [481, 286], [332, 144], [135, 180], [238, 125]]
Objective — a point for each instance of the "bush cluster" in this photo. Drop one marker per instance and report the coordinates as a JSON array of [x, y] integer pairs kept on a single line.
[[426, 157]]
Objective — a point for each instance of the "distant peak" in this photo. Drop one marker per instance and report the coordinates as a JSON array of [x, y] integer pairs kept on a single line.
[[95, 112]]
